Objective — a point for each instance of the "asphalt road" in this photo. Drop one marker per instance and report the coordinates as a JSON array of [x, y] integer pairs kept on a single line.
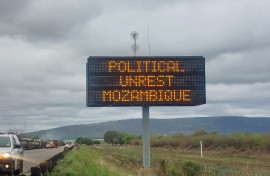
[[34, 157]]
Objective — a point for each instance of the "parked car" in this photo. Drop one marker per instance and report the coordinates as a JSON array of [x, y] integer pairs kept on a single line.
[[11, 154]]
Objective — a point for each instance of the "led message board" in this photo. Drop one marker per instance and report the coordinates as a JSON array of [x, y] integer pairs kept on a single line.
[[154, 81]]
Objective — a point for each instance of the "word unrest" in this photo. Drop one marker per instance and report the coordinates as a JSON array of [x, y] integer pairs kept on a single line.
[[149, 81], [146, 79]]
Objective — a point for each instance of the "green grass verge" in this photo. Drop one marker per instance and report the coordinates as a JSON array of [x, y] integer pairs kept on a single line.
[[82, 162]]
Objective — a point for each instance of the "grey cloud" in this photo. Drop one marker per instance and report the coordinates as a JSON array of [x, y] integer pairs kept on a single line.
[[9, 10], [208, 28], [240, 67], [48, 20], [246, 95]]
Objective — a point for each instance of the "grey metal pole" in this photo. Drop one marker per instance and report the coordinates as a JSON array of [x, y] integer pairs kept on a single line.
[[201, 149], [146, 137]]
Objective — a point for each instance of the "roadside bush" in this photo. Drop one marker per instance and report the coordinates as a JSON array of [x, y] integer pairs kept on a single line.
[[199, 132], [166, 167], [84, 140], [174, 143], [237, 141], [192, 169], [177, 168], [211, 141], [97, 142], [267, 142], [135, 142], [121, 138], [186, 142], [160, 141]]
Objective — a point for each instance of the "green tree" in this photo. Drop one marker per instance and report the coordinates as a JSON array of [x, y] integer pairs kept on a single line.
[[111, 137], [121, 138], [88, 141], [97, 142], [125, 138], [61, 142], [79, 140], [84, 140]]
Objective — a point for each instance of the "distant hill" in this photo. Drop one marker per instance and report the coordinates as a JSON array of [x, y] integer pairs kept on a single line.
[[223, 125]]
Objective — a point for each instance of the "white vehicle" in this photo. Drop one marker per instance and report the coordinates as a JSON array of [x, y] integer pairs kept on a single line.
[[48, 145], [11, 155]]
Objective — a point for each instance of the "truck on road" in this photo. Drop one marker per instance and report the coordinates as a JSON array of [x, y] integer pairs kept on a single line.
[[52, 144]]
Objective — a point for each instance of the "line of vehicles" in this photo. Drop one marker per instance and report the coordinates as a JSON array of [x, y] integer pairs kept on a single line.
[[29, 144], [12, 152]]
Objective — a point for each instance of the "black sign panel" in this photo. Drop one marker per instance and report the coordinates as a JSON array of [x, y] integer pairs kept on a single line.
[[154, 81]]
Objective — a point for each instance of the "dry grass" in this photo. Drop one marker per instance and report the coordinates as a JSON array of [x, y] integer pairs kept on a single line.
[[214, 163]]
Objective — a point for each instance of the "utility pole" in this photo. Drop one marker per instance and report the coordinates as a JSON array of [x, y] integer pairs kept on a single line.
[[25, 127]]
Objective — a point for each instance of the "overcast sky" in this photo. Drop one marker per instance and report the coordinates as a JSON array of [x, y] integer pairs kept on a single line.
[[44, 46]]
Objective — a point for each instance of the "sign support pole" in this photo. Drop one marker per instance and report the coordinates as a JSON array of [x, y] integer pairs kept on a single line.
[[146, 137], [146, 170]]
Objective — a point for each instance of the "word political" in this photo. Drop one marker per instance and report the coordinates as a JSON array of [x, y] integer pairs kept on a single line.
[[133, 81], [144, 66]]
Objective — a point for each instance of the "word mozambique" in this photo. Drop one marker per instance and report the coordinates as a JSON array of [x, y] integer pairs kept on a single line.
[[146, 95]]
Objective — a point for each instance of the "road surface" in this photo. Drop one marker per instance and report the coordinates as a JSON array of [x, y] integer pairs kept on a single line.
[[34, 157]]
